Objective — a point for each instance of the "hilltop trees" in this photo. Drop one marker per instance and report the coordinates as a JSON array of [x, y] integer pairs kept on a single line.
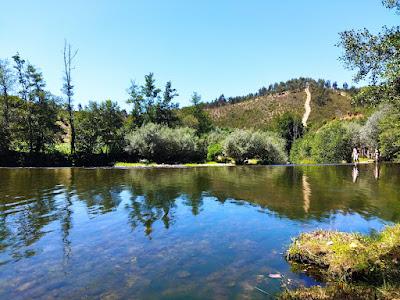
[[292, 85]]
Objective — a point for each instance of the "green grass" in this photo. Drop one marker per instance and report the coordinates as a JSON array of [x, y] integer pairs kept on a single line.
[[355, 266], [127, 164], [343, 291], [63, 148], [139, 165], [350, 256]]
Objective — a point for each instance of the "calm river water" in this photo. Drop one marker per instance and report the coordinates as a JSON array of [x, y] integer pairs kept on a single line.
[[200, 233]]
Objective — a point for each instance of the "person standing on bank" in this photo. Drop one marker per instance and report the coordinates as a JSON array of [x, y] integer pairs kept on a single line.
[[355, 155], [376, 155]]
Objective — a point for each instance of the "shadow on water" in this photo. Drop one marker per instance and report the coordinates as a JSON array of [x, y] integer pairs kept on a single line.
[[170, 233]]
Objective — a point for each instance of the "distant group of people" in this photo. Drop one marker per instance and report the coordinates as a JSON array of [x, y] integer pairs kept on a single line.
[[356, 155]]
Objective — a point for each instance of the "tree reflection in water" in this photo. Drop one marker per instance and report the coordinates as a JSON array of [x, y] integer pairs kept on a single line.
[[33, 200]]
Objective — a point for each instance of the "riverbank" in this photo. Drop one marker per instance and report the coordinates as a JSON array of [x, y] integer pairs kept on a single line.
[[123, 165], [354, 266], [54, 160]]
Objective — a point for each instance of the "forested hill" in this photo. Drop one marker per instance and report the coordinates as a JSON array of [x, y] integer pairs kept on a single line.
[[261, 111]]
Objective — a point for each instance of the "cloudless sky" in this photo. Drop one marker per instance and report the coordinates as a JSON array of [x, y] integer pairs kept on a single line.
[[208, 46]]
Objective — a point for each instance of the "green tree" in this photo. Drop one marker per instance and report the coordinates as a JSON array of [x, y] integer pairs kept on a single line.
[[39, 109], [389, 136], [111, 126], [88, 129], [290, 127], [165, 113], [203, 122], [137, 100], [151, 96], [6, 85], [332, 143], [375, 57], [99, 128]]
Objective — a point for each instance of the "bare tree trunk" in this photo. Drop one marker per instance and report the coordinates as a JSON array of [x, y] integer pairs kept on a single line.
[[68, 89]]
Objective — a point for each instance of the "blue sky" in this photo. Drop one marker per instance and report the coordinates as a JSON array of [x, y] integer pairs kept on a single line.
[[208, 46]]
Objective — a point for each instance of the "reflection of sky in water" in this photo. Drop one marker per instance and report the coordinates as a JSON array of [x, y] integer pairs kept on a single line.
[[170, 234]]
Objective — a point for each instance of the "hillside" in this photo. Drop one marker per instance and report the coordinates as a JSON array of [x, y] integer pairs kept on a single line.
[[261, 111]]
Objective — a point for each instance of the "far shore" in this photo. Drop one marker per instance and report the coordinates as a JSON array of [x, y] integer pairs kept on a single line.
[[195, 165], [124, 165]]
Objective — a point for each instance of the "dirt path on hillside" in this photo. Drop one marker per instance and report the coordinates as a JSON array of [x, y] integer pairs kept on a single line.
[[307, 107]]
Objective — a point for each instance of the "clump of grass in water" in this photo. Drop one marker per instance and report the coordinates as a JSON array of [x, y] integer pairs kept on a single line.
[[346, 259], [342, 291]]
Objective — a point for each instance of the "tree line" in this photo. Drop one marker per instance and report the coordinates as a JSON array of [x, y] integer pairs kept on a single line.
[[35, 121], [292, 85]]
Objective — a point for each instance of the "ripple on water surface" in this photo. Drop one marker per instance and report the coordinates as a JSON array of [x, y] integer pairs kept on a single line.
[[176, 233]]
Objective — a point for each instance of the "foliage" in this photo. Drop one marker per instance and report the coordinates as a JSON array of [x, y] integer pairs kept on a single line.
[[292, 85], [202, 122], [149, 106], [389, 136], [290, 127], [349, 257], [213, 151], [99, 128], [39, 109], [162, 144], [301, 149], [332, 143], [242, 145], [369, 133], [375, 57]]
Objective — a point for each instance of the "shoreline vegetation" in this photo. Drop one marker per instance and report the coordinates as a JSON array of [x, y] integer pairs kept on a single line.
[[352, 265]]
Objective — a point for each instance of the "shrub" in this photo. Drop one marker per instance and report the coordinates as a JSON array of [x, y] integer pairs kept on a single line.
[[213, 151], [332, 143], [162, 144], [242, 145], [301, 150]]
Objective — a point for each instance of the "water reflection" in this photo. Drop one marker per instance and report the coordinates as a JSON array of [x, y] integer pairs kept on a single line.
[[354, 173], [205, 225], [306, 193]]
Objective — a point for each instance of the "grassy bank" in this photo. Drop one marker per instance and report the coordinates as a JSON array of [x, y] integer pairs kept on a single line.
[[155, 165], [355, 266]]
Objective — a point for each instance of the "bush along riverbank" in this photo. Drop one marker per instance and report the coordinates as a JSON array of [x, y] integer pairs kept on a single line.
[[354, 266]]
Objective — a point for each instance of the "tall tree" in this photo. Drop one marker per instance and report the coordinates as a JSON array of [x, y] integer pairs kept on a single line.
[[375, 57], [68, 88], [24, 91], [151, 95], [136, 98], [204, 124], [165, 108], [6, 85], [290, 128], [39, 107]]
